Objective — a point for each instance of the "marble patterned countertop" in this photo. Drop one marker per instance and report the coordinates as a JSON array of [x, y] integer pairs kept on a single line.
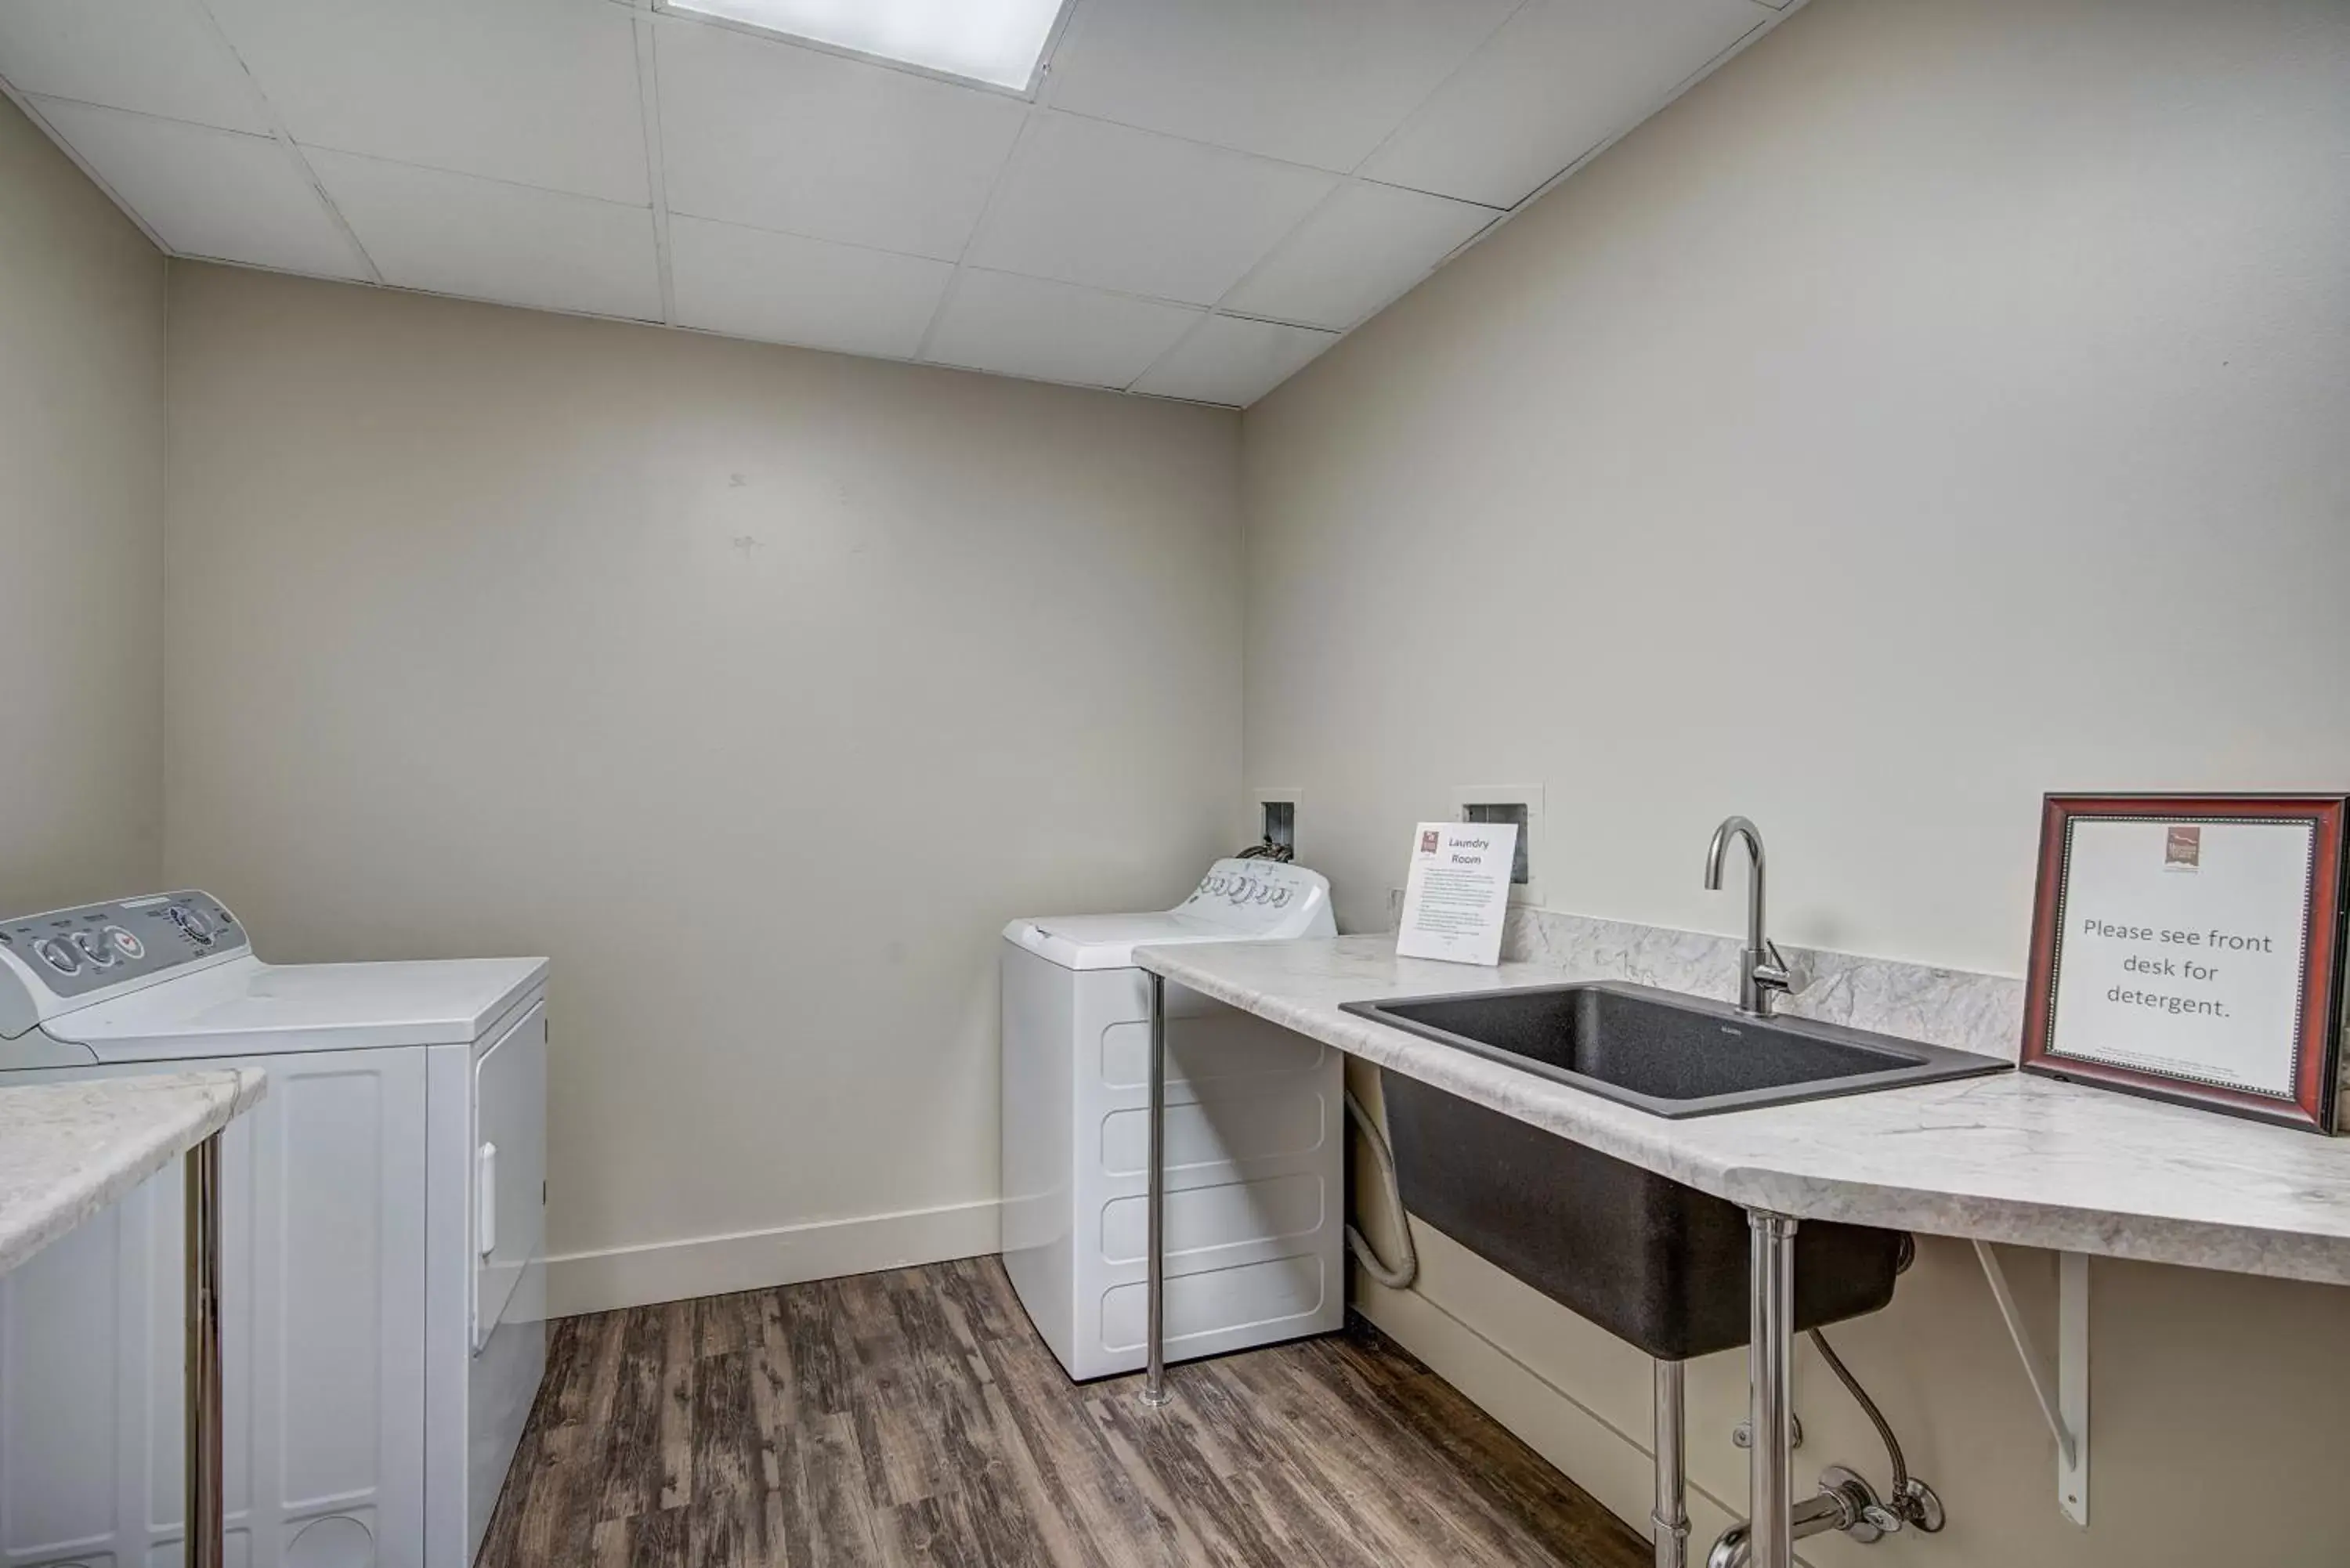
[[67, 1150], [2014, 1158]]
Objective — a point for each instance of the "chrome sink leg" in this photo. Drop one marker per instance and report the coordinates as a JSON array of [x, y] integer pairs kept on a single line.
[[1670, 1515], [1154, 1377], [205, 1544], [1770, 1365]]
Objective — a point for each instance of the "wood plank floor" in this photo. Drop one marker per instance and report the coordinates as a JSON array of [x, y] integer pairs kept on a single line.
[[914, 1417]]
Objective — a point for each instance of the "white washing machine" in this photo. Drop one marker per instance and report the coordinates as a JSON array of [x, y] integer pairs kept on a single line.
[[1256, 1180], [382, 1287]]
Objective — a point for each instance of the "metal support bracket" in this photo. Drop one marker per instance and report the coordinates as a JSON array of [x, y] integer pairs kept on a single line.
[[2064, 1396]]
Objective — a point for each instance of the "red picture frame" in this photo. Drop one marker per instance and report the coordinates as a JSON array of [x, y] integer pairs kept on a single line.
[[2316, 1069]]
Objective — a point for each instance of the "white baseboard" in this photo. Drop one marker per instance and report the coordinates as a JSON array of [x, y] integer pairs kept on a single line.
[[755, 1260]]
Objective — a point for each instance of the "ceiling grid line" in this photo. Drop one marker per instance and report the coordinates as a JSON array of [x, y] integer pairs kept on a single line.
[[1190, 200], [979, 227], [285, 137], [1171, 349], [1349, 177], [1773, 15], [1774, 12], [656, 175], [1040, 106], [1352, 182], [1411, 116], [32, 111]]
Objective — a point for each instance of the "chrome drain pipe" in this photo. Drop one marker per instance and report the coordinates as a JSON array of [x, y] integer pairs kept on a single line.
[[1845, 1501], [1828, 1508], [1670, 1514]]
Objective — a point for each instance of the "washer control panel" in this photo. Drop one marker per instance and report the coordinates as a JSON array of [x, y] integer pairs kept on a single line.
[[1257, 895], [73, 952]]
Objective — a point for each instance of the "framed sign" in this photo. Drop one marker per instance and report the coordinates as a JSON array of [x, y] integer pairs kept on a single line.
[[2189, 948]]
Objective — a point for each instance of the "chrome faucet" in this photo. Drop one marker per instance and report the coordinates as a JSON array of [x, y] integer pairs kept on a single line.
[[1762, 973]]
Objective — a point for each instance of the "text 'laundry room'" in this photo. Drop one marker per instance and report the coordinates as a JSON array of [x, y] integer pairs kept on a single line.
[[749, 809]]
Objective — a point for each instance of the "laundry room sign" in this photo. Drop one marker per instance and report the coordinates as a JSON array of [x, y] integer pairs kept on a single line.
[[1457, 894], [2190, 948]]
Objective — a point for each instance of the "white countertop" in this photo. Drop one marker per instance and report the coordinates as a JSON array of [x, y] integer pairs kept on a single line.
[[67, 1150], [2014, 1159]]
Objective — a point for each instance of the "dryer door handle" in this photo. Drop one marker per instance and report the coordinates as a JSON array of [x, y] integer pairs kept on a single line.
[[486, 1198]]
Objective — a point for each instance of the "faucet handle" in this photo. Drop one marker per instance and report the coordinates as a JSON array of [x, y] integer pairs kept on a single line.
[[1775, 975]]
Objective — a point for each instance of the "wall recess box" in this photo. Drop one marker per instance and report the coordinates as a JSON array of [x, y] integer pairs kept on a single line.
[[1520, 804], [1274, 810]]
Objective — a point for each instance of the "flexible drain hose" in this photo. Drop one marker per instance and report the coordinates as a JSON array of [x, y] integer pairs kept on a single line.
[[1399, 1276]]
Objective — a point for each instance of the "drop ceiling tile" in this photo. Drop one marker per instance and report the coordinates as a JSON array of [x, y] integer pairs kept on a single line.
[[753, 282], [1313, 81], [1359, 250], [1229, 360], [778, 137], [1101, 204], [453, 233], [1560, 78], [158, 56], [216, 194], [541, 92], [1053, 331]]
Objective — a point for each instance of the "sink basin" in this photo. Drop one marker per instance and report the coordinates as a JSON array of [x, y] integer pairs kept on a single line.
[[1649, 1259], [1669, 1054]]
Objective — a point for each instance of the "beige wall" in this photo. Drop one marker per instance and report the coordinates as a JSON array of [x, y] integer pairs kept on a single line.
[[81, 549], [758, 686], [1944, 403]]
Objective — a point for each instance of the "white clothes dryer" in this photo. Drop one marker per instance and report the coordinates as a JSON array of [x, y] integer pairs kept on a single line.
[[1255, 1218], [382, 1296]]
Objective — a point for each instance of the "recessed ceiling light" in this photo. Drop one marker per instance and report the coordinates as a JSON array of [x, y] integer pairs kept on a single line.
[[994, 41]]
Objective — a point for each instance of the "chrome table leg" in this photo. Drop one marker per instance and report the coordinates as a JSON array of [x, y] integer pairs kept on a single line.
[[1154, 1379], [1670, 1514], [1770, 1363], [206, 1546]]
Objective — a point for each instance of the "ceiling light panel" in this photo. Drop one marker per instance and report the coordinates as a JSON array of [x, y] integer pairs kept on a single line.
[[999, 42]]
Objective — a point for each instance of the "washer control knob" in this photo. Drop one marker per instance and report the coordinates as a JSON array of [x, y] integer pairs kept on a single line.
[[93, 946], [126, 944], [198, 930], [57, 955]]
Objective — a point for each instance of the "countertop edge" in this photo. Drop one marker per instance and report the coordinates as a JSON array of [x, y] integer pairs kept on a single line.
[[190, 1107], [2319, 1256]]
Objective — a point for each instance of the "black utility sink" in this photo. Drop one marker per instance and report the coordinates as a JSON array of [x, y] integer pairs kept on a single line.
[[1650, 1261], [1669, 1054]]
